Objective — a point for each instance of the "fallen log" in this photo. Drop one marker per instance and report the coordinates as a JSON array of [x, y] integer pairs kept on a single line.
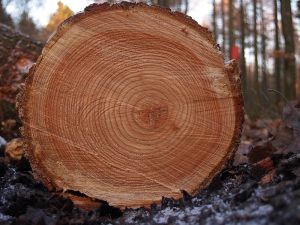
[[129, 103]]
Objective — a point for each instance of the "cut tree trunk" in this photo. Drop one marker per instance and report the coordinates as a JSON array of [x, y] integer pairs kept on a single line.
[[129, 103]]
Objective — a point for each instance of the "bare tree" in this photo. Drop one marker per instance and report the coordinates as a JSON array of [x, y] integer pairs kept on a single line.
[[223, 26], [256, 81], [177, 4], [214, 20], [231, 28], [289, 48], [277, 61], [186, 3], [243, 46], [263, 47], [298, 9], [27, 26]]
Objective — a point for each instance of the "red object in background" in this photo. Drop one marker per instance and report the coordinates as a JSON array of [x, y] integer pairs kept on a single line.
[[235, 52]]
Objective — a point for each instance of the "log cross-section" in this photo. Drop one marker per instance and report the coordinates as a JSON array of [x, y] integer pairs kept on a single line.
[[129, 103]]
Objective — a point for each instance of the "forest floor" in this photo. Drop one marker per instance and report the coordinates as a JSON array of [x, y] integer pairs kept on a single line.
[[261, 186]]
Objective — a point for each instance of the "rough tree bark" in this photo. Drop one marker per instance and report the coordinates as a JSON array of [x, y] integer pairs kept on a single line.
[[131, 111]]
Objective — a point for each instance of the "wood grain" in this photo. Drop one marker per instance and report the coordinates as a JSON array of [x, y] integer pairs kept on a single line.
[[129, 103]]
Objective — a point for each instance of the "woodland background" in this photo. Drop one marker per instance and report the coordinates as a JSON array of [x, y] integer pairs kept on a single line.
[[262, 34]]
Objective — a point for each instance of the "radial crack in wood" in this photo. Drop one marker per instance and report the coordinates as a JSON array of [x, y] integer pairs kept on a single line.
[[129, 103]]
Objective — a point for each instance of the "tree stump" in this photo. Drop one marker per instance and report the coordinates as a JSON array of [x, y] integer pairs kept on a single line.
[[129, 103]]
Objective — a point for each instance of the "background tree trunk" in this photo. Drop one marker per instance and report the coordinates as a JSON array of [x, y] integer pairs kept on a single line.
[[289, 47], [256, 73], [186, 6], [231, 27], [243, 46], [214, 20], [263, 48], [277, 59], [163, 3], [223, 27]]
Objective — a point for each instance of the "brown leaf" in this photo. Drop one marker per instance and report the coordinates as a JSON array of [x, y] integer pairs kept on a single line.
[[266, 164], [260, 152], [14, 149], [268, 177]]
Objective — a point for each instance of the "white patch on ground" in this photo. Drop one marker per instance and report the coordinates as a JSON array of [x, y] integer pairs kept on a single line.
[[2, 141]]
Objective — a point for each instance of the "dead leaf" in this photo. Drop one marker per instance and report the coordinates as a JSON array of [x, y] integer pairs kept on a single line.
[[14, 149], [268, 177], [260, 152]]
